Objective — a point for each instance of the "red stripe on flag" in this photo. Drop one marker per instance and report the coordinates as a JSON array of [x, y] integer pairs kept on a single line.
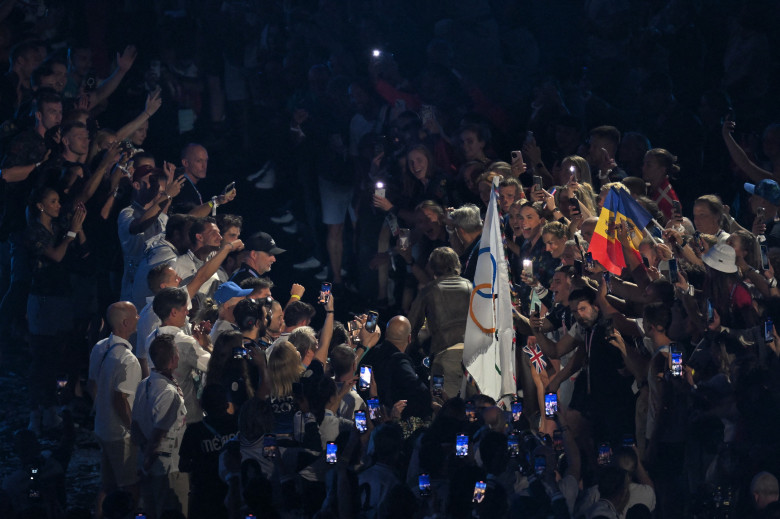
[[607, 252]]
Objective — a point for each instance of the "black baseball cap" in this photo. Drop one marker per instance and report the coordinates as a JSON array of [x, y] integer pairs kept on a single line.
[[262, 241]]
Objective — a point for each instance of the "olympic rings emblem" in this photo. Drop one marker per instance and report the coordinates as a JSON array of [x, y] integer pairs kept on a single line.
[[478, 291]]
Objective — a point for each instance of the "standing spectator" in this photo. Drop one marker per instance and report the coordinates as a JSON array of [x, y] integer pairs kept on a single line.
[[49, 306], [170, 305], [195, 161], [659, 165], [259, 254], [20, 169], [199, 455], [118, 375], [145, 219], [159, 418]]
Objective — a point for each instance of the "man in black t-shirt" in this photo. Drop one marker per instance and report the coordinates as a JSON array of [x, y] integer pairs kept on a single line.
[[195, 161]]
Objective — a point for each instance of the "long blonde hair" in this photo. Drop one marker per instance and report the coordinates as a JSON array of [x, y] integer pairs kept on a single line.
[[284, 369]]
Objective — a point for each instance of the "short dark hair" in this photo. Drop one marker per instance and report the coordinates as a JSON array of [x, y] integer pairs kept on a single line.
[[658, 314], [226, 221], [510, 181], [606, 132], [482, 131], [665, 290], [247, 313], [45, 96], [67, 127], [156, 276], [177, 223], [582, 294], [166, 300], [45, 69], [198, 226], [612, 482], [257, 283], [342, 359], [297, 311], [23, 48], [161, 350]]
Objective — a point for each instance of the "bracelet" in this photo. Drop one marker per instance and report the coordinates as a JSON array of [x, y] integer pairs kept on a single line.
[[361, 346], [71, 234], [38, 165], [329, 311], [295, 297]]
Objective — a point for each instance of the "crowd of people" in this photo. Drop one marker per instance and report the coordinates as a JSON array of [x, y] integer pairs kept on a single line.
[[371, 138]]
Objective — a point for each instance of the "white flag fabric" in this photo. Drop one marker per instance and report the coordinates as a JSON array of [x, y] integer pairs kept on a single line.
[[489, 351]]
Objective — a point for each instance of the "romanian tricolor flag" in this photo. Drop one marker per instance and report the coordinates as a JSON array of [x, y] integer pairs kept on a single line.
[[604, 246]]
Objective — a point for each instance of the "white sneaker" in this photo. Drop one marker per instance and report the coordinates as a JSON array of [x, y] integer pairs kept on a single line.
[[260, 172], [310, 263], [290, 229], [286, 217], [322, 275], [267, 179]]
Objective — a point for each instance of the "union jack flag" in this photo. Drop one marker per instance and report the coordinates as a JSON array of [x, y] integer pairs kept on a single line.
[[536, 356]]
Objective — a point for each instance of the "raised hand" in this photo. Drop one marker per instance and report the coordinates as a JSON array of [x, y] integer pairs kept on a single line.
[[125, 60], [153, 101]]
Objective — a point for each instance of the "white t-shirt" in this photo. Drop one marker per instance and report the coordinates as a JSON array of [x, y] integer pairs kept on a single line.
[[119, 371], [190, 373], [147, 323]]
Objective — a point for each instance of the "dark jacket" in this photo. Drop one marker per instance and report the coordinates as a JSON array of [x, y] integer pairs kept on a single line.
[[406, 385], [445, 305]]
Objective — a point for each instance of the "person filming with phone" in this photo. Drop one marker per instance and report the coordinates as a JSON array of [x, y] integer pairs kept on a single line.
[[195, 161]]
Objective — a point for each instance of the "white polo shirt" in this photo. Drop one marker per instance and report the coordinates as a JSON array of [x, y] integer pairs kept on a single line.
[[193, 363], [120, 371], [159, 405]]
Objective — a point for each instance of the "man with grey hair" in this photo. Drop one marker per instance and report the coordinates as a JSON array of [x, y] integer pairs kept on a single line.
[[465, 240], [304, 338], [444, 303], [764, 489]]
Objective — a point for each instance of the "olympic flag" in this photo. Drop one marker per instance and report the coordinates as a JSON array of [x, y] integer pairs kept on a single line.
[[489, 352]]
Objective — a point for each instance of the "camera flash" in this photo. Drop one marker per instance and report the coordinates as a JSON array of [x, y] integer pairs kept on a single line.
[[380, 185], [376, 53]]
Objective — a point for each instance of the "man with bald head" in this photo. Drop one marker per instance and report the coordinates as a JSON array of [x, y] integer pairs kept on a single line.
[[394, 372], [195, 162], [114, 374]]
